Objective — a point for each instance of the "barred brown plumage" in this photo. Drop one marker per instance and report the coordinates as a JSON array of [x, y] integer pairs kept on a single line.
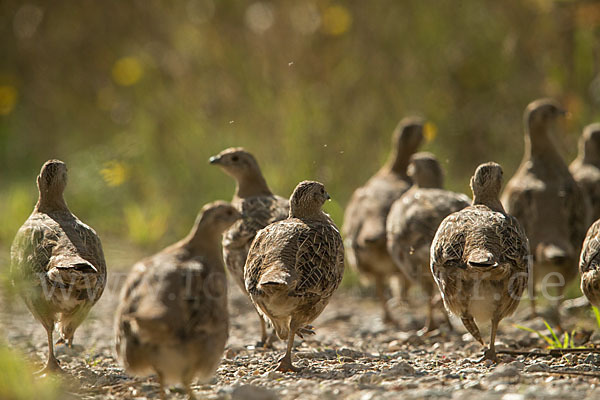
[[295, 265], [57, 262], [479, 258], [414, 219], [259, 207], [365, 216], [172, 317], [589, 264]]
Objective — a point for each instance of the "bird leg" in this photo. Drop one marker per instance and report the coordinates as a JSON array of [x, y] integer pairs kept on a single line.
[[490, 352], [285, 362], [380, 291], [430, 324], [188, 390], [266, 340], [52, 365], [163, 393]]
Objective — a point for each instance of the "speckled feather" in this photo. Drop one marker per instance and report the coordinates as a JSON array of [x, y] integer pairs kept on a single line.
[[589, 265], [295, 265], [412, 224], [58, 263], [257, 212], [172, 317], [461, 235]]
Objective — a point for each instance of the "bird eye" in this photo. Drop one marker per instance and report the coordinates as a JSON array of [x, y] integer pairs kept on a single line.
[[235, 158], [322, 191]]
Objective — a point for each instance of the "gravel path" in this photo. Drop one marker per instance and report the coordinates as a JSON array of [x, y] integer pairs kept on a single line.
[[352, 356]]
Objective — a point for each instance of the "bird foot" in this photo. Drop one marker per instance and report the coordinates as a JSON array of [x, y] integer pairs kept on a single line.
[[489, 354], [52, 367], [265, 344], [426, 330], [307, 330], [285, 365]]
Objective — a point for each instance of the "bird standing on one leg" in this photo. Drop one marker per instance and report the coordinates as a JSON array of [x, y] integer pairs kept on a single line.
[[366, 213], [295, 265], [57, 262], [259, 207], [172, 317], [479, 258]]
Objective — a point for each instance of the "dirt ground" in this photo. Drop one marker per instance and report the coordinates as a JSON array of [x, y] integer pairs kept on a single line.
[[352, 356]]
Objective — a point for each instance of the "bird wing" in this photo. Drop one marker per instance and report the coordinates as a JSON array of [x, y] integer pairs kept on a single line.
[[32, 249], [590, 254]]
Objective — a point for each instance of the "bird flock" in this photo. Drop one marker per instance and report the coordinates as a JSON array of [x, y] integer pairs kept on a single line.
[[401, 227]]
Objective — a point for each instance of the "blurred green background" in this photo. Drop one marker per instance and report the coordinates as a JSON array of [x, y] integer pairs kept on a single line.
[[135, 96]]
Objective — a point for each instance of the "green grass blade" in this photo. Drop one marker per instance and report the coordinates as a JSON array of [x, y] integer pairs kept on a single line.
[[540, 334], [557, 342], [597, 314], [566, 341]]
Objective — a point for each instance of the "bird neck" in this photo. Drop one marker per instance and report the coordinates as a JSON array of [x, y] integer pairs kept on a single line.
[[398, 161], [490, 201], [538, 145], [203, 240], [250, 185], [51, 200], [589, 157], [305, 213]]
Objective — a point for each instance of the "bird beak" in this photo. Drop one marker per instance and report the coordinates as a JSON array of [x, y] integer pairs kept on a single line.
[[214, 159], [328, 196]]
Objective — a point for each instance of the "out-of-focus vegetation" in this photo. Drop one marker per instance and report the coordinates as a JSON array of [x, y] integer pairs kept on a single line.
[[135, 96], [18, 383]]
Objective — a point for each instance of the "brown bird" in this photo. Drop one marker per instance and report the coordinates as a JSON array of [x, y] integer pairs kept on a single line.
[[586, 167], [295, 265], [172, 319], [259, 207], [57, 263], [366, 213], [479, 258], [547, 201], [414, 219], [589, 265]]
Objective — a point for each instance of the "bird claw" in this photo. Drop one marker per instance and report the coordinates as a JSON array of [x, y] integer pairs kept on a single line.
[[488, 354], [285, 365], [307, 330]]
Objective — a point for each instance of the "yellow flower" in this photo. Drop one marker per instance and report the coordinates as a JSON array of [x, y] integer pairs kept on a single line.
[[114, 173], [8, 99], [127, 71], [430, 131], [336, 20]]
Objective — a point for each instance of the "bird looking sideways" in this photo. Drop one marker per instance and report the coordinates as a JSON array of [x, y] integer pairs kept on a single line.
[[548, 203], [57, 262], [295, 265], [259, 207], [365, 216], [413, 221], [479, 258], [172, 317], [586, 167]]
